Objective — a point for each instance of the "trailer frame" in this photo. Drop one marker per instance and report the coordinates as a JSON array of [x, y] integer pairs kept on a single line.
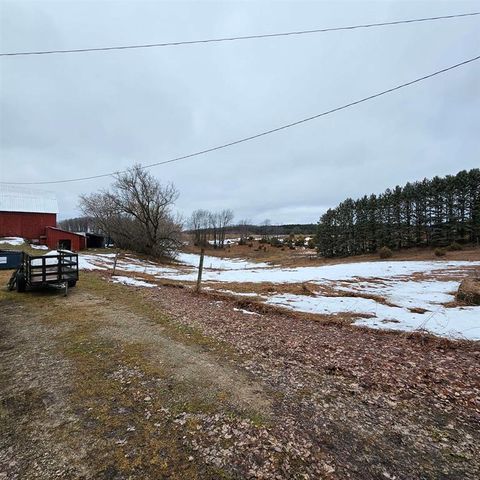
[[43, 271]]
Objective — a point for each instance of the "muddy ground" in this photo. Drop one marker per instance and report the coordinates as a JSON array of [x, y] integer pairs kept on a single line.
[[116, 382]]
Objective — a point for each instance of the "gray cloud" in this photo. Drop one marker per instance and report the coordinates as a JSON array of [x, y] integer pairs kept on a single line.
[[76, 115]]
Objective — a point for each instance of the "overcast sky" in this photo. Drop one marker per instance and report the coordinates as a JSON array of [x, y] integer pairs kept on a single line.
[[64, 116]]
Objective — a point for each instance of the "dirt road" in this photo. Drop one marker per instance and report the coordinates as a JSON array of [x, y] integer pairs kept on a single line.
[[115, 382]]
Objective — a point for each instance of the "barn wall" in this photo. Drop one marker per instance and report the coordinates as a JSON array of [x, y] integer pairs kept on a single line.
[[27, 225], [54, 236]]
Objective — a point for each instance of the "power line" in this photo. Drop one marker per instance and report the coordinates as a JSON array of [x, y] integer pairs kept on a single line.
[[262, 134], [230, 39]]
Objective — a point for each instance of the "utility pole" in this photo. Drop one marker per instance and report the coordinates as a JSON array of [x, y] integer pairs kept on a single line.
[[200, 270]]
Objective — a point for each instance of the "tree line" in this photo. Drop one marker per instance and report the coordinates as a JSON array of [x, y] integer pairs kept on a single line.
[[433, 212], [210, 228], [79, 224]]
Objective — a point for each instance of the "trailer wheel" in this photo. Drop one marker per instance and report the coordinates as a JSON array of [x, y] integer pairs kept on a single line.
[[12, 283], [21, 282], [72, 283]]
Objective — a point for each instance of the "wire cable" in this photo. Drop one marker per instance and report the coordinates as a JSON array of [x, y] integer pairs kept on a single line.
[[231, 39], [266, 132]]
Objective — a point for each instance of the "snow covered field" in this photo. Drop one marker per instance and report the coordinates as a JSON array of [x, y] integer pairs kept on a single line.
[[404, 303], [218, 263], [229, 270], [456, 322]]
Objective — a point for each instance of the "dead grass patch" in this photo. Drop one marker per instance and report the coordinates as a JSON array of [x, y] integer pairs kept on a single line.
[[306, 288], [469, 291], [418, 310], [292, 258], [258, 306]]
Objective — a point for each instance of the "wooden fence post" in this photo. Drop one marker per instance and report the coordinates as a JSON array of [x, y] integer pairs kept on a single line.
[[200, 270], [115, 263]]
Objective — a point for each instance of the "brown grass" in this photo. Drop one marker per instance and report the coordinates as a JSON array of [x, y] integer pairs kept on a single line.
[[306, 288], [469, 291], [296, 258], [254, 305]]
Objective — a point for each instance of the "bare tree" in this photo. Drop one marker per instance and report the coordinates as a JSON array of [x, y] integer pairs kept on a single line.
[[210, 227], [265, 229], [199, 224], [78, 224], [225, 218], [136, 213], [243, 229], [214, 219], [103, 212]]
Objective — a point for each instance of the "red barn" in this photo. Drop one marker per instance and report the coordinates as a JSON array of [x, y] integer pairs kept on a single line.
[[32, 214]]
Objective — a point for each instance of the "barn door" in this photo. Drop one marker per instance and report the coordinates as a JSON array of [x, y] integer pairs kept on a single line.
[[64, 244]]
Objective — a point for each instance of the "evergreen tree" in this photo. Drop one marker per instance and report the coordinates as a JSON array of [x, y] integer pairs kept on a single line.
[[434, 212]]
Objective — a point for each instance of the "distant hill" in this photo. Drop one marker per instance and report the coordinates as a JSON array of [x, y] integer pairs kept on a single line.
[[287, 229]]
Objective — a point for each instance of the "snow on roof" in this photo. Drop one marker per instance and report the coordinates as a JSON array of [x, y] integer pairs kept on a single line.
[[14, 198]]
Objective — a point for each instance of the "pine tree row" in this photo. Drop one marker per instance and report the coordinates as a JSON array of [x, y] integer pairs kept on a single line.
[[434, 212]]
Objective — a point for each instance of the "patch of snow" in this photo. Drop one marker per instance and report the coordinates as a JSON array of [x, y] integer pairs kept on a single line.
[[39, 247], [15, 241], [219, 263], [305, 251], [143, 268], [227, 241], [460, 322], [50, 261], [247, 312], [131, 281], [456, 323], [230, 270], [88, 262], [104, 261], [238, 294], [324, 305], [408, 294]]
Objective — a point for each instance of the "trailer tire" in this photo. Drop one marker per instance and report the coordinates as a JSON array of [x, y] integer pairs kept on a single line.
[[21, 282], [71, 283]]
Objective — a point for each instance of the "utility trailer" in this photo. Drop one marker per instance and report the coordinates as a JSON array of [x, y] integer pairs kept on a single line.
[[40, 271]]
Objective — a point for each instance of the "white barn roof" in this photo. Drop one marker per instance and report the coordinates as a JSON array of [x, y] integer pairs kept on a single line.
[[14, 198]]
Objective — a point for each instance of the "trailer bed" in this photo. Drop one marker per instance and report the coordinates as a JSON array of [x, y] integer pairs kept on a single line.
[[55, 269]]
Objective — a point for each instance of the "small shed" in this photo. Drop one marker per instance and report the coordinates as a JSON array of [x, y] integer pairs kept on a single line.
[[56, 238], [95, 240]]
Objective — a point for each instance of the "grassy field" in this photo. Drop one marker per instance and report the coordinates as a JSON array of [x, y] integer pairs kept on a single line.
[[128, 383], [308, 257], [119, 375]]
